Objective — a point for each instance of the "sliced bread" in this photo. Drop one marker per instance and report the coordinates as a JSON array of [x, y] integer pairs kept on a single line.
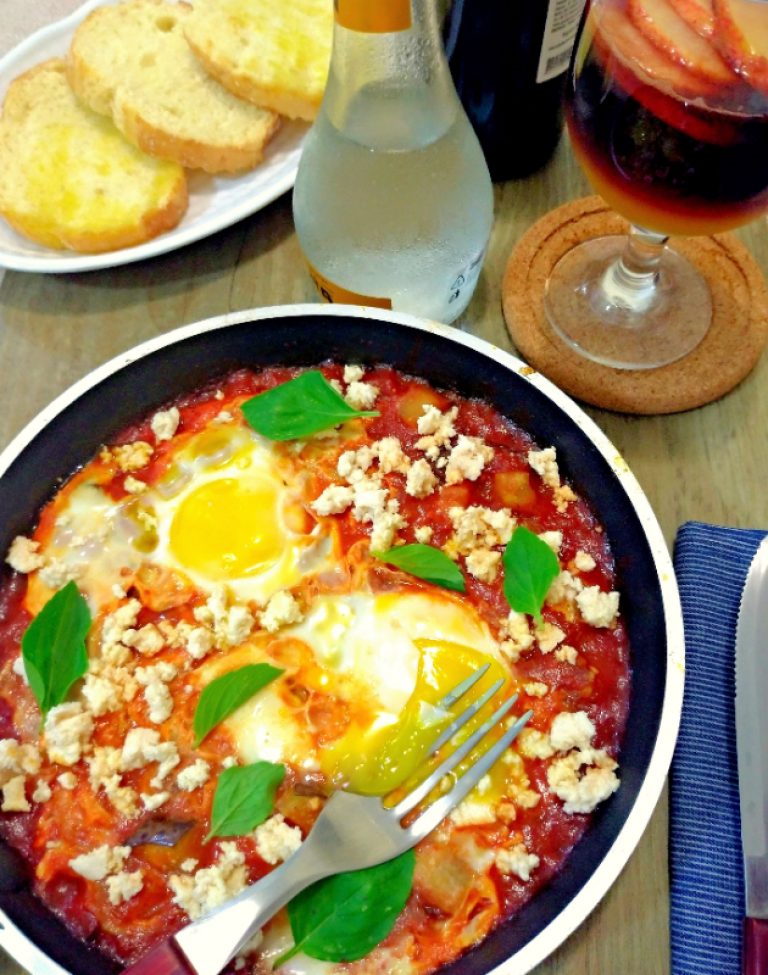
[[131, 61], [272, 52], [69, 180]]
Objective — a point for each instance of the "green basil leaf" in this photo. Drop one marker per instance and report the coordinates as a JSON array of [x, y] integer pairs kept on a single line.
[[53, 647], [344, 917], [530, 567], [426, 562], [225, 694], [298, 408], [244, 797]]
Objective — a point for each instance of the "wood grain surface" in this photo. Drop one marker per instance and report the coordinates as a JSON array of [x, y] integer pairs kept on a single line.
[[708, 464]]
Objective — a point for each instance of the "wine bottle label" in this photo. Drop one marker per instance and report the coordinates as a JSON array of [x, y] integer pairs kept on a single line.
[[559, 33], [373, 16], [335, 294]]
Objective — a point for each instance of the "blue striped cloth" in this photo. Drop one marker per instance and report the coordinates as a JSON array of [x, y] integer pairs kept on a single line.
[[707, 888]]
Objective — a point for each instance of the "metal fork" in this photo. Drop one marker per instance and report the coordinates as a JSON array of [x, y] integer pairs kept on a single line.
[[351, 832]]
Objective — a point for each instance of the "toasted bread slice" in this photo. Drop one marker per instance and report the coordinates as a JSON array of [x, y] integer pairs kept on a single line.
[[131, 61], [273, 53], [69, 180]]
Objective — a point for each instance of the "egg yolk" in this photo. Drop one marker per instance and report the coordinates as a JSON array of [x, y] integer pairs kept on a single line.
[[228, 528], [374, 760]]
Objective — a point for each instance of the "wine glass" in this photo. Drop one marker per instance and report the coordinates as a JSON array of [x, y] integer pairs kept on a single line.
[[667, 110]]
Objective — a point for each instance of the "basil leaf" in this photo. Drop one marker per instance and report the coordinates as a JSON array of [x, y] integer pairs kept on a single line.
[[244, 797], [225, 694], [530, 567], [344, 917], [53, 647], [298, 408], [425, 562]]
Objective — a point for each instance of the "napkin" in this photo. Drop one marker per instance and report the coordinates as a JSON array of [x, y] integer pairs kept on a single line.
[[707, 886]]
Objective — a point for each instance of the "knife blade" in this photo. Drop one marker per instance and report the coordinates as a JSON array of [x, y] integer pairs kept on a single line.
[[752, 757]]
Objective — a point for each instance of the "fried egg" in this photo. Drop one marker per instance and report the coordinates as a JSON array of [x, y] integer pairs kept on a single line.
[[226, 510], [365, 675]]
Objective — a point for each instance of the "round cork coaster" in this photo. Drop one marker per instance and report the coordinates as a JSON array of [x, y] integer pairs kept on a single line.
[[728, 352]]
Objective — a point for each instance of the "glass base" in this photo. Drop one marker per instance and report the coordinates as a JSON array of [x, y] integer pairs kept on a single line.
[[622, 320]]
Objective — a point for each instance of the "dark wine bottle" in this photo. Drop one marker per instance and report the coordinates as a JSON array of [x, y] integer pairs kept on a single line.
[[509, 59]]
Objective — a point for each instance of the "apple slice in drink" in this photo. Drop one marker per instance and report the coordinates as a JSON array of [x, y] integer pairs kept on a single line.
[[664, 28], [698, 14], [742, 32]]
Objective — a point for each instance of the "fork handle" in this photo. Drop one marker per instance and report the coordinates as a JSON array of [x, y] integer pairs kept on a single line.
[[208, 944]]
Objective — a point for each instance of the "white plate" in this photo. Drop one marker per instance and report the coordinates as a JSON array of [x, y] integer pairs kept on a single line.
[[215, 202]]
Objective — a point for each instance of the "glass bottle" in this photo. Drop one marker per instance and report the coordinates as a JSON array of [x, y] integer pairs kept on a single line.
[[508, 61], [393, 203]]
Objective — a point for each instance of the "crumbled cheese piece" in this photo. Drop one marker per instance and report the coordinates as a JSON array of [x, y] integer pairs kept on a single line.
[[100, 862], [467, 460], [353, 464], [23, 555], [134, 486], [165, 423], [198, 642], [130, 456], [384, 527], [532, 743], [153, 800], [564, 589], [68, 729], [67, 780], [421, 479], [56, 573], [231, 624], [189, 864], [548, 636], [517, 860], [353, 373], [14, 795], [335, 499], [281, 610], [567, 654], [148, 640], [361, 396], [480, 527], [544, 462], [483, 564], [437, 426], [142, 746], [391, 456], [42, 792], [598, 608], [276, 840], [563, 496], [124, 885], [210, 886], [17, 759], [571, 729], [104, 762], [582, 792], [583, 561], [107, 688], [536, 689], [553, 539], [19, 669], [423, 534], [193, 776], [517, 636], [470, 812], [154, 679]]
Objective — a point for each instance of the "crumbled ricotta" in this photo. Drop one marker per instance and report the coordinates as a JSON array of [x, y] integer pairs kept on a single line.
[[480, 527], [583, 562], [130, 456], [193, 776], [423, 534], [14, 795], [536, 688], [532, 743], [353, 373], [517, 860], [165, 423], [335, 499], [361, 396], [571, 729], [281, 610], [124, 885], [467, 460], [100, 862], [147, 640], [67, 732], [421, 480], [597, 607], [581, 791], [483, 564], [548, 636], [544, 462], [24, 556], [470, 812], [276, 840], [210, 886], [391, 456]]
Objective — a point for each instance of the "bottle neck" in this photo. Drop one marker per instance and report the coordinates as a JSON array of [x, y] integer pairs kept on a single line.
[[399, 70]]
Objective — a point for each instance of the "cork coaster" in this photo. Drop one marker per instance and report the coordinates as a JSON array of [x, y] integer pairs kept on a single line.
[[728, 352]]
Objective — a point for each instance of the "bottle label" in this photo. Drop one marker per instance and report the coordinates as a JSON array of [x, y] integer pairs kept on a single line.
[[335, 294], [373, 16], [559, 34]]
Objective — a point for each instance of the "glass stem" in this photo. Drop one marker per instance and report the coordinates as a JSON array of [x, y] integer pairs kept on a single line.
[[631, 282]]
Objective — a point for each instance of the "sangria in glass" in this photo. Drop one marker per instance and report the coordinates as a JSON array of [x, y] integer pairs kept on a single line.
[[667, 110]]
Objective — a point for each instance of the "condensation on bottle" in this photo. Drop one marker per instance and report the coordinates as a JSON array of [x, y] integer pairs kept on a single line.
[[393, 202]]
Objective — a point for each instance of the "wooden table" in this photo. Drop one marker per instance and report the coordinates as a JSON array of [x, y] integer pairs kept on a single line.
[[708, 464]]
